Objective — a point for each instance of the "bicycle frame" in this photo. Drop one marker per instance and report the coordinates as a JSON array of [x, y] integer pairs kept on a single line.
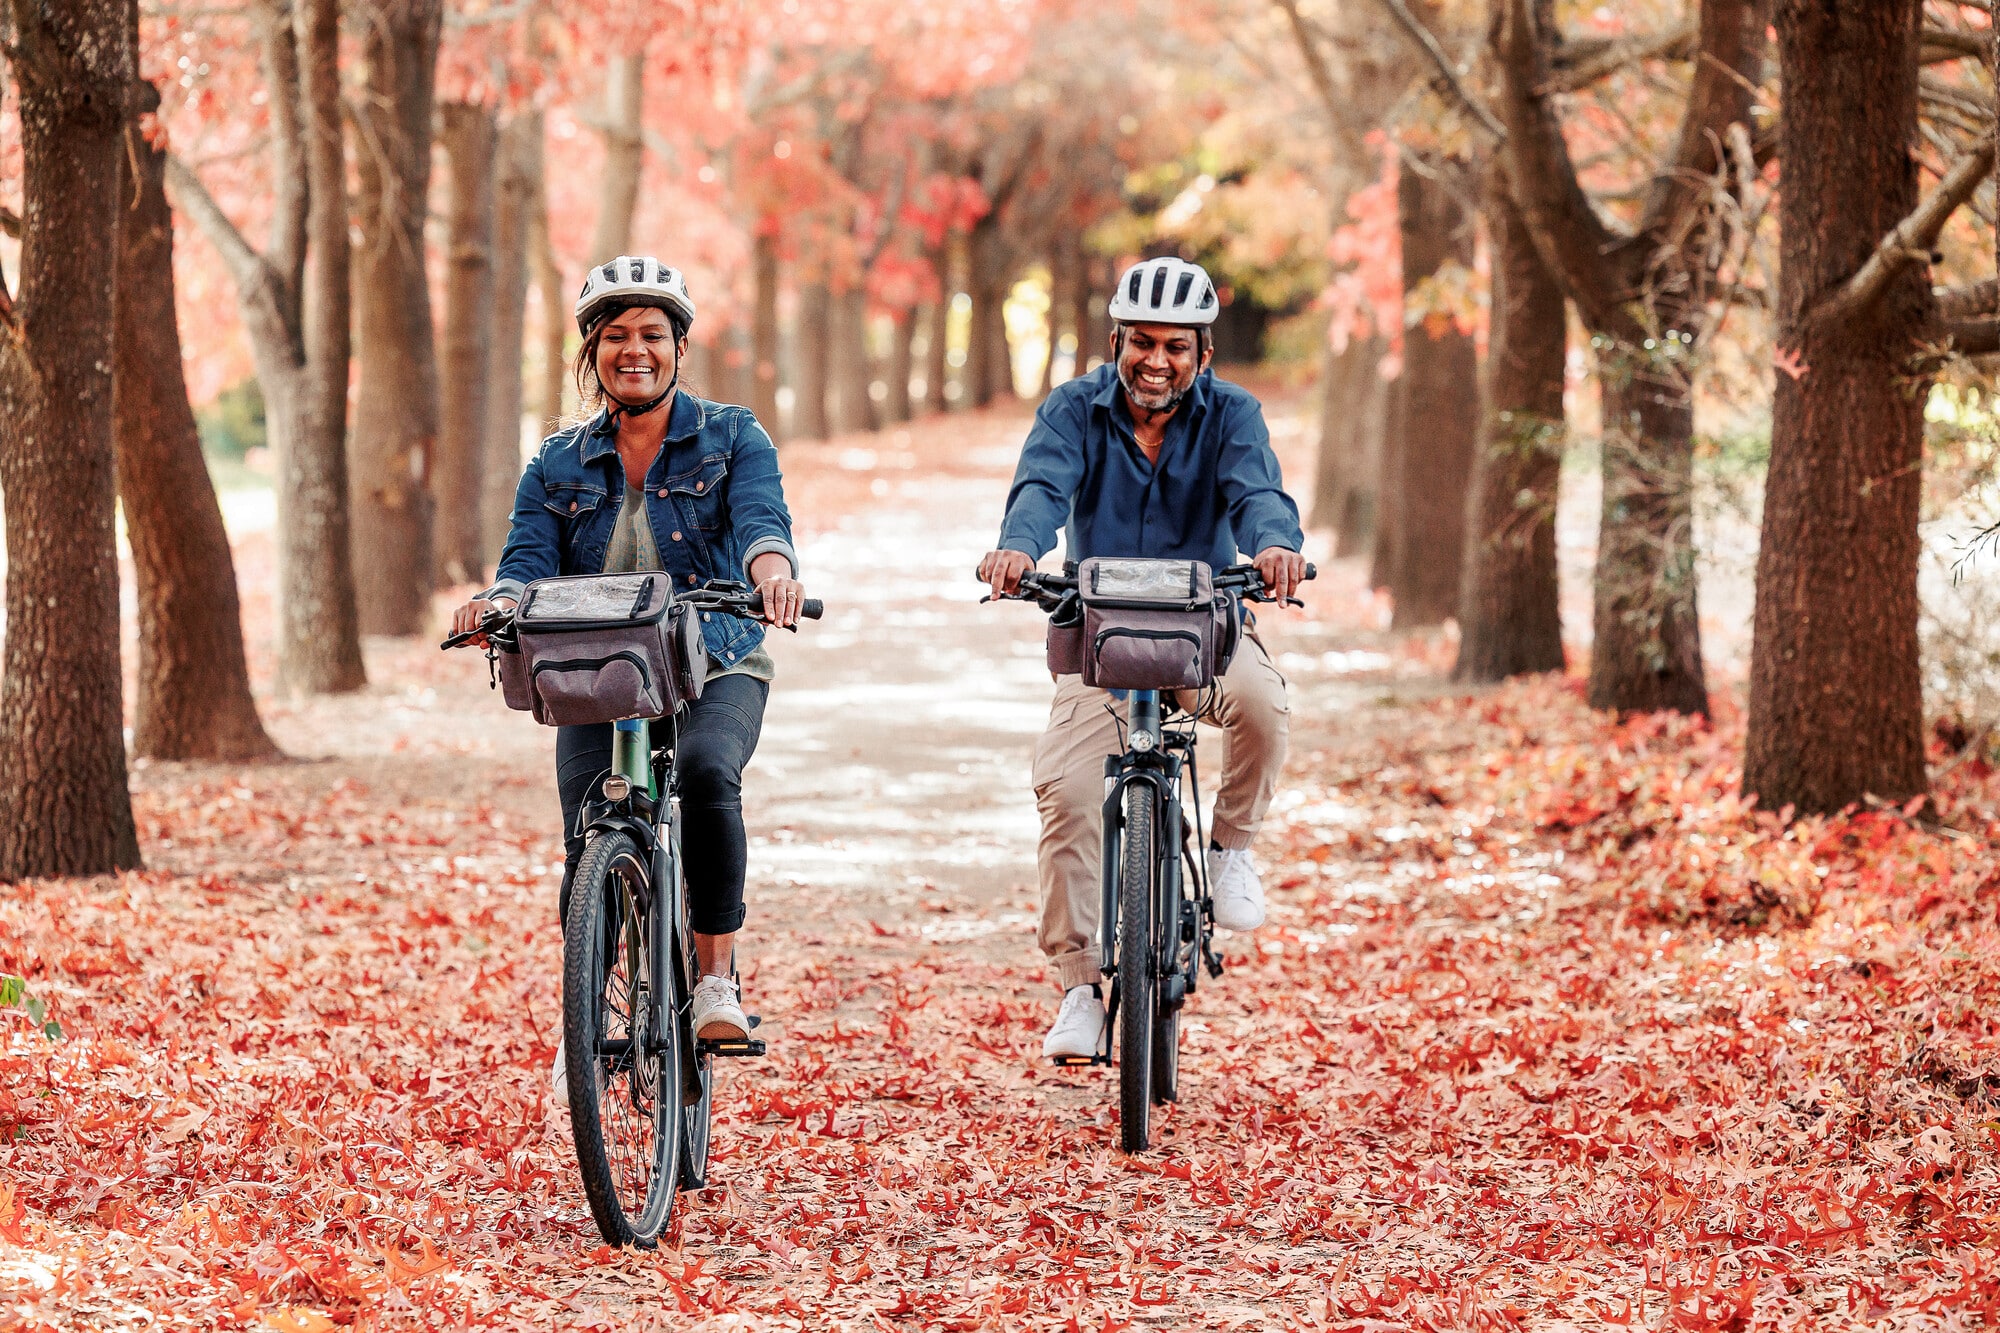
[[1163, 760]]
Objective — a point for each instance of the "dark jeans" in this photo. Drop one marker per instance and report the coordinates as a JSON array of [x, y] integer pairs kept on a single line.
[[717, 737]]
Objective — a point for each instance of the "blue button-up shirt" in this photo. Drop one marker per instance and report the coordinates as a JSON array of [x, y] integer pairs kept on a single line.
[[1215, 490]]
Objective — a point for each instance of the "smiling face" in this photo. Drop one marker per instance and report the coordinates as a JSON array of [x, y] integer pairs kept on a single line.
[[1157, 363], [637, 354]]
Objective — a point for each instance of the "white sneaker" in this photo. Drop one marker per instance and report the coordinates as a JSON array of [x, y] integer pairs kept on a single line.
[[716, 1011], [559, 1077], [1079, 1025], [1238, 893]]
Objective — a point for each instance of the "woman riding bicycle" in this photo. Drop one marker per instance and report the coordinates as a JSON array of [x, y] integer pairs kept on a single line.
[[660, 479]]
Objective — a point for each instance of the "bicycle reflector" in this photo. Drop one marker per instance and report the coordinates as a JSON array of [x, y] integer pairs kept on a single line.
[[616, 787]]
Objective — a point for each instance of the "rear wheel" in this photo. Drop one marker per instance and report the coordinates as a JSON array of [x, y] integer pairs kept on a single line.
[[1137, 983], [623, 1054]]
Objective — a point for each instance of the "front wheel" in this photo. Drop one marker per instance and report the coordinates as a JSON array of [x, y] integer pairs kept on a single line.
[[1137, 876], [621, 1046]]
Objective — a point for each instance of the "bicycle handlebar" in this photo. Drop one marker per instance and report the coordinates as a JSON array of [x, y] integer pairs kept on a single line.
[[726, 595], [1049, 591]]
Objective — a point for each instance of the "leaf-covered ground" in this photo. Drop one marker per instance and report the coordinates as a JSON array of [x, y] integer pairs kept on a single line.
[[1548, 1029]]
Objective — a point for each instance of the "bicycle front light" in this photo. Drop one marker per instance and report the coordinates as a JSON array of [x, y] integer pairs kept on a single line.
[[1142, 741], [616, 787]]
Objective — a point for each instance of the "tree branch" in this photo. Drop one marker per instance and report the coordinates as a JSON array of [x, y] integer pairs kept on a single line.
[[1943, 44], [1578, 69], [1974, 298], [1428, 44], [1316, 66], [10, 222], [1908, 243], [191, 197], [1974, 337]]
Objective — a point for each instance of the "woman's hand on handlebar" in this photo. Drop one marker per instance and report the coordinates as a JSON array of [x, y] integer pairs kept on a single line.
[[783, 596], [466, 619], [1001, 571], [1282, 571]]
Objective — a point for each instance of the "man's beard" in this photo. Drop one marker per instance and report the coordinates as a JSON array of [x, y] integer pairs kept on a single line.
[[1165, 401]]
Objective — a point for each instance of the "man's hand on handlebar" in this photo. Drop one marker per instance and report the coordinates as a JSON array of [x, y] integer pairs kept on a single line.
[[466, 619], [1001, 571], [1282, 571]]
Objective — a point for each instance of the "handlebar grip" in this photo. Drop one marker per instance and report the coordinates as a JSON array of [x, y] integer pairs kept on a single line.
[[1312, 570], [812, 608]]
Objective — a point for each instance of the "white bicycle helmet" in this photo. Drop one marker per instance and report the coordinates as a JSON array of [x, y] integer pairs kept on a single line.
[[1164, 291], [631, 280]]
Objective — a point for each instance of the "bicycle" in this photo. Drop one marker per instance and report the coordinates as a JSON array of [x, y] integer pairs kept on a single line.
[[1158, 919], [640, 1081]]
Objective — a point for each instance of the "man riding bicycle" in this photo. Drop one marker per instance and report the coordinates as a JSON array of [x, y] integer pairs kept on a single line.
[[1150, 456]]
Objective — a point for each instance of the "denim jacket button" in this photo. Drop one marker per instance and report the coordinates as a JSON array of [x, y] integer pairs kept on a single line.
[[663, 492], [572, 506], [677, 536], [690, 578], [700, 484]]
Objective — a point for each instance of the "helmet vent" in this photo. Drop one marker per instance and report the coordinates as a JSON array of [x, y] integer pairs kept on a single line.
[[1207, 296], [1132, 287], [610, 271], [1181, 288], [1159, 286]]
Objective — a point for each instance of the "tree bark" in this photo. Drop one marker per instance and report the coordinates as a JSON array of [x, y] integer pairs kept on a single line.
[[1059, 284], [937, 353], [396, 410], [1645, 297], [902, 364], [470, 137], [319, 649], [194, 686], [1383, 549], [764, 332], [1351, 402], [1084, 303], [558, 308], [1836, 705], [988, 374], [1508, 620], [1440, 387], [851, 374], [64, 805], [624, 154], [517, 180], [809, 418]]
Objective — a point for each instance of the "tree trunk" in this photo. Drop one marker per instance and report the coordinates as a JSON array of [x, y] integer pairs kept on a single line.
[[809, 420], [470, 136], [624, 154], [1836, 706], [847, 351], [64, 804], [1646, 650], [194, 686], [1059, 284], [396, 410], [1382, 551], [987, 372], [1083, 307], [518, 178], [1440, 386], [319, 645], [1344, 392], [902, 364], [1508, 620], [558, 316], [1363, 427], [764, 333], [937, 353]]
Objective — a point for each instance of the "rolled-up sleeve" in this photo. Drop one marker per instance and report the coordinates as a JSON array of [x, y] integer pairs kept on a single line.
[[534, 538], [757, 512], [1048, 475], [1261, 515]]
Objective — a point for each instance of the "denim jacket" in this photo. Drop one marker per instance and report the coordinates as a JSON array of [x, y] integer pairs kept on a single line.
[[714, 496]]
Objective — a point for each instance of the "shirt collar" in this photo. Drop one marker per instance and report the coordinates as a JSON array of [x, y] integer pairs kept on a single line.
[[686, 420]]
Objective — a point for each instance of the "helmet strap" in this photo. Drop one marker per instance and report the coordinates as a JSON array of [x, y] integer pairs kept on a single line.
[[622, 409]]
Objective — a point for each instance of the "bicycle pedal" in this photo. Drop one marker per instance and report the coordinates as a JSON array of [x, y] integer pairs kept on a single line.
[[729, 1046], [1078, 1061]]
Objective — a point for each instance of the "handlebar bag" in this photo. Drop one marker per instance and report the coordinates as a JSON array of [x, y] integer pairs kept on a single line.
[[1151, 624], [606, 647], [1065, 641]]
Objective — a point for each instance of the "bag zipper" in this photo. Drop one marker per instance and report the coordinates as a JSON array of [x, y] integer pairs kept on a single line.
[[598, 664]]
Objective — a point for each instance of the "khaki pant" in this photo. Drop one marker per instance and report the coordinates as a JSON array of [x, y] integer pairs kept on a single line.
[[1084, 723]]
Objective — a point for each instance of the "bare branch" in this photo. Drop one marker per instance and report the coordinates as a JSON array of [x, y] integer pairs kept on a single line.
[[1909, 242], [10, 222], [1974, 298], [1974, 337], [1581, 69], [192, 198], [1421, 35], [1316, 67], [1943, 44]]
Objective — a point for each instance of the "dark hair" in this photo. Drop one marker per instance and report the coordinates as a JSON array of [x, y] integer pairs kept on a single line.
[[589, 389], [1204, 339]]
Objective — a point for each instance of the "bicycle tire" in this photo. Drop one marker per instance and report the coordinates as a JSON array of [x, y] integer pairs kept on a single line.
[[1136, 980], [1166, 1020], [694, 1135], [625, 1117]]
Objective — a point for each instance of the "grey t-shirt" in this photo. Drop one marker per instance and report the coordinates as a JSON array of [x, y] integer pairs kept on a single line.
[[633, 549]]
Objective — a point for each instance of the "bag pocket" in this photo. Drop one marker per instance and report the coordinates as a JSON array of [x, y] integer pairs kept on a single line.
[[1130, 657], [687, 653], [517, 687], [596, 689], [1065, 645]]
